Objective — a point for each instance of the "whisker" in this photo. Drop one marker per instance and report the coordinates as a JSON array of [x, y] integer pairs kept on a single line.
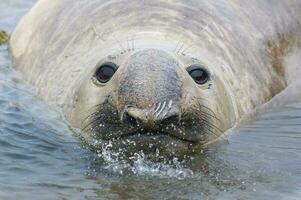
[[210, 115], [89, 116], [133, 42], [92, 113], [128, 44], [162, 108], [175, 50], [95, 106], [202, 99], [120, 44], [209, 131], [181, 47], [187, 48], [91, 122], [94, 118], [211, 125]]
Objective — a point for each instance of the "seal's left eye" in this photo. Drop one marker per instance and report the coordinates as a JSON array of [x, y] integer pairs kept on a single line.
[[105, 72], [199, 74]]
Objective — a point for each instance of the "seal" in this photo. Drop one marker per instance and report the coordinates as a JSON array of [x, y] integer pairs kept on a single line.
[[170, 73]]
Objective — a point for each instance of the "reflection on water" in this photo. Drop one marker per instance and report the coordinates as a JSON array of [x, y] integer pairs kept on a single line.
[[41, 158]]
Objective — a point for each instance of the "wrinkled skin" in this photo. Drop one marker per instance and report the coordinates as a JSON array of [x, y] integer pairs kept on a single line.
[[152, 99]]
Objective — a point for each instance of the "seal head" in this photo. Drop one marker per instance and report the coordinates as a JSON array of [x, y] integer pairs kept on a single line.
[[168, 72], [151, 98]]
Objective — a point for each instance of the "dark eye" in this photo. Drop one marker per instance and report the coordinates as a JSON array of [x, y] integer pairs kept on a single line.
[[105, 72], [199, 74]]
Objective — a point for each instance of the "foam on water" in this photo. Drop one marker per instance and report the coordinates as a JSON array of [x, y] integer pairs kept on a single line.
[[138, 164]]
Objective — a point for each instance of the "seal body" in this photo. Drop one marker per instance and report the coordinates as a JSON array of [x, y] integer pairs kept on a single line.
[[242, 45]]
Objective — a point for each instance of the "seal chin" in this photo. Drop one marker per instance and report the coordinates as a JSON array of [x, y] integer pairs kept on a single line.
[[145, 136], [168, 141], [151, 143]]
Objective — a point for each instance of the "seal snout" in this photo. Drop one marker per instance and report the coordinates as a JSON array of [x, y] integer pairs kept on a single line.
[[161, 114], [149, 91]]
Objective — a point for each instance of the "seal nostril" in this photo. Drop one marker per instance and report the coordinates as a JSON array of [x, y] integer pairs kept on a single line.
[[128, 119], [140, 118], [174, 119]]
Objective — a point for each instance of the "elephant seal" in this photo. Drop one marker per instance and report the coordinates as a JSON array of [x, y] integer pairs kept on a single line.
[[159, 73]]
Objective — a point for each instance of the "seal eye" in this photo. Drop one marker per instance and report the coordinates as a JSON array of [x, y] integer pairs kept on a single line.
[[199, 74], [105, 72]]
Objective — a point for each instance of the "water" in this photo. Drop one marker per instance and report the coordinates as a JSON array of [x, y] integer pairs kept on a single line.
[[41, 157]]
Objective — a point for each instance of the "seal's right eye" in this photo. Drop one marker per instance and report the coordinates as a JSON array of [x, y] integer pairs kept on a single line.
[[105, 72]]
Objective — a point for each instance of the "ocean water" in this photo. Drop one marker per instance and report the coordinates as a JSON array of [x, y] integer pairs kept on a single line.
[[42, 157]]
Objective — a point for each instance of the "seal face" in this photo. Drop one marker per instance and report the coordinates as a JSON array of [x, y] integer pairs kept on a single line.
[[153, 95]]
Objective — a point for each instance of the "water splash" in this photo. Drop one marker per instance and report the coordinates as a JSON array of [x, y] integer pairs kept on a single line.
[[140, 164]]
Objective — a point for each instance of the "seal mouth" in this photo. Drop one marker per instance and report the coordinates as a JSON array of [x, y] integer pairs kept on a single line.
[[150, 143], [155, 134]]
